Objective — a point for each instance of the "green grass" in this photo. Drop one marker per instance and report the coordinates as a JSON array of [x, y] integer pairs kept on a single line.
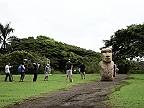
[[130, 95], [13, 92]]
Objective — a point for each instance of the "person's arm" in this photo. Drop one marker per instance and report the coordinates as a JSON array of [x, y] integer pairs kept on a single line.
[[23, 67], [71, 66], [10, 66]]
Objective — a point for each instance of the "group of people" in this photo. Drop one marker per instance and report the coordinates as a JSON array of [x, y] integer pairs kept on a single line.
[[47, 70], [69, 68], [22, 69]]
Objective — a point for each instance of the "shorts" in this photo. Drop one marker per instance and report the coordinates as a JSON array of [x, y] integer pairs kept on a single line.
[[46, 73], [69, 72], [83, 72]]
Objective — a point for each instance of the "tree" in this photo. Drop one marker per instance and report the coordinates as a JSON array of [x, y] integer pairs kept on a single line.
[[127, 43], [4, 35], [58, 52]]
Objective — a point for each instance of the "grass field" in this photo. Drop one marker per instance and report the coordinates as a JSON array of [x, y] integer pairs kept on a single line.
[[12, 92], [131, 95]]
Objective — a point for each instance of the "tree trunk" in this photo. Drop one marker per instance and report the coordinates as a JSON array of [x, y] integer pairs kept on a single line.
[[4, 43]]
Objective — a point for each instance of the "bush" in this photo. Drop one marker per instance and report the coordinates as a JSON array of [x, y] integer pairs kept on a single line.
[[137, 71]]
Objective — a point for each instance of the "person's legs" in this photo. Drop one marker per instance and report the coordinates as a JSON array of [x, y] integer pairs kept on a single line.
[[84, 75], [46, 76], [70, 76], [35, 77], [6, 76], [67, 76], [81, 75], [23, 75], [9, 75]]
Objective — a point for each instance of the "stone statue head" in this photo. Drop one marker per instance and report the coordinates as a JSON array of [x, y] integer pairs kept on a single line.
[[106, 55]]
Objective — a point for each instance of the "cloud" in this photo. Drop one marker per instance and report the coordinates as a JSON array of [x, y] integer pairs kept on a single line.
[[84, 23]]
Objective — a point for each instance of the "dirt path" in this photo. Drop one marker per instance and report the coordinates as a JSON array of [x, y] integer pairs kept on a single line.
[[90, 95]]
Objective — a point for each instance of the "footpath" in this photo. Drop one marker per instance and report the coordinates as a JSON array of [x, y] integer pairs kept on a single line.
[[91, 95]]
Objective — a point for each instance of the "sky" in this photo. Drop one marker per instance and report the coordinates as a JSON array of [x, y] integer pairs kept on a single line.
[[83, 23]]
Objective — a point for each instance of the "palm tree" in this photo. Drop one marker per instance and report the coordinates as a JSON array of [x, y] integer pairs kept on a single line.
[[4, 35]]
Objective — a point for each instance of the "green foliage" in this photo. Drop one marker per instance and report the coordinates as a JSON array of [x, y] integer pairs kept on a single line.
[[127, 43], [16, 92], [137, 67], [17, 57], [4, 36], [58, 52]]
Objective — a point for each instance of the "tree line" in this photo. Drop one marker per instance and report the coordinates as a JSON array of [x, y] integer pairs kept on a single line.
[[126, 44], [41, 49]]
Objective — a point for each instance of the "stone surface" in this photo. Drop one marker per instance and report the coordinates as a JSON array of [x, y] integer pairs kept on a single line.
[[106, 65]]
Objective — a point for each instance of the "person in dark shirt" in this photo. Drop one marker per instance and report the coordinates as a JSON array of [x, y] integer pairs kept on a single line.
[[35, 71], [82, 70], [69, 67]]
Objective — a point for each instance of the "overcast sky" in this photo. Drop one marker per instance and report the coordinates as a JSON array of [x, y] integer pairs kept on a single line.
[[84, 23]]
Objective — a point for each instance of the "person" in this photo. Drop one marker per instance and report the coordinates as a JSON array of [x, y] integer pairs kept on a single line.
[[35, 71], [7, 72], [115, 70], [69, 67], [82, 68], [21, 69], [47, 71]]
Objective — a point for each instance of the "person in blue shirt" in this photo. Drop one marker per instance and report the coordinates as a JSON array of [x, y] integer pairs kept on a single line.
[[21, 69]]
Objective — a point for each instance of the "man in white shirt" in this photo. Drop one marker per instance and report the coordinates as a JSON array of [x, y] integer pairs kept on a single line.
[[7, 72]]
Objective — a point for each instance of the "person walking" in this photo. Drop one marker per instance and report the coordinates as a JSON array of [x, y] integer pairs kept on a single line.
[[47, 72], [21, 70], [69, 67], [82, 68], [35, 71], [7, 72]]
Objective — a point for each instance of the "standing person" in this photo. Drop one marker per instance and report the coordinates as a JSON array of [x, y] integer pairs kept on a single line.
[[69, 67], [47, 71], [7, 72], [82, 70], [115, 70], [35, 71], [21, 69]]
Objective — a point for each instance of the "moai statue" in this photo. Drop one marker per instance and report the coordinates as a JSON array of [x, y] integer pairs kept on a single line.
[[106, 65]]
